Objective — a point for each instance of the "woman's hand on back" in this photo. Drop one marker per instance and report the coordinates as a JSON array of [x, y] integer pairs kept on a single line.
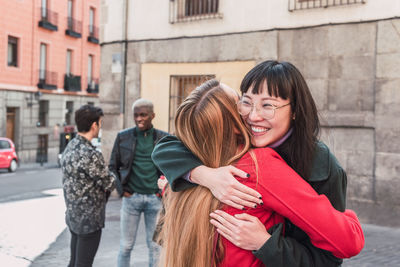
[[224, 186], [243, 230]]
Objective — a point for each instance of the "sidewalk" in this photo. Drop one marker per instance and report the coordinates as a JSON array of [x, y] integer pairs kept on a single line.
[[382, 247]]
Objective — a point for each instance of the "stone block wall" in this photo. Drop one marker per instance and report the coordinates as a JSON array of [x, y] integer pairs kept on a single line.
[[353, 71]]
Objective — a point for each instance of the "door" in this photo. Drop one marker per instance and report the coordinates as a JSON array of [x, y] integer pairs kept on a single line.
[[41, 154], [10, 127]]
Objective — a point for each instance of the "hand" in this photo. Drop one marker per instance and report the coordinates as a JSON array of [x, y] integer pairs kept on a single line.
[[243, 230], [126, 194], [224, 186], [161, 182]]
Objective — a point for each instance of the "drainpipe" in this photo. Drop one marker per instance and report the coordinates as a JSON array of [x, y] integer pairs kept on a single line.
[[124, 54]]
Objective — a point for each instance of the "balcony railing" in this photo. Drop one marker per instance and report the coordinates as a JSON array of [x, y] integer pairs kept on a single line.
[[72, 83], [47, 80], [93, 34], [309, 4], [48, 19], [93, 85], [74, 28], [189, 10]]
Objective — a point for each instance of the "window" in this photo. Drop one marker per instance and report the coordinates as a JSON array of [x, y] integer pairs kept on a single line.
[[12, 54], [4, 144], [188, 10], [90, 69], [309, 4], [44, 9], [70, 109], [43, 113], [200, 7], [91, 20], [180, 88], [68, 62], [43, 63], [70, 10]]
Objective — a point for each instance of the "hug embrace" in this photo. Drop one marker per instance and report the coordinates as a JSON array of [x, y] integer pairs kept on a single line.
[[251, 183]]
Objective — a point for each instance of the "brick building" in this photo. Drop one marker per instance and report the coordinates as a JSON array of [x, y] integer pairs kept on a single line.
[[49, 67]]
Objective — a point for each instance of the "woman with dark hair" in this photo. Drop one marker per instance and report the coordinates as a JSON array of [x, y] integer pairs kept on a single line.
[[209, 125], [278, 108]]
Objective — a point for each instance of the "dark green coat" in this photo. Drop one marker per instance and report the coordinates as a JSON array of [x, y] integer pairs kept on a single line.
[[292, 249]]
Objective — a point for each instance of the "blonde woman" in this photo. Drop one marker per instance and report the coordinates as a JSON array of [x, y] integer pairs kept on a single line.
[[208, 123]]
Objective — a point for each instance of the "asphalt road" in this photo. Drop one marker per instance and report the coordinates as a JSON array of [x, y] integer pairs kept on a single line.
[[28, 183]]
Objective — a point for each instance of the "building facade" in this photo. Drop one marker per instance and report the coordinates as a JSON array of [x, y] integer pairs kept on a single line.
[[49, 67], [347, 50]]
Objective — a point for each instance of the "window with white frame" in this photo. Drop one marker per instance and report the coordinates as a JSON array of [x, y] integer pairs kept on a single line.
[[43, 62], [12, 53], [68, 62]]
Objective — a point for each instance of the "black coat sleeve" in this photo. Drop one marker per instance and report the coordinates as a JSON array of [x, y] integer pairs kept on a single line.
[[283, 251], [115, 164], [294, 248]]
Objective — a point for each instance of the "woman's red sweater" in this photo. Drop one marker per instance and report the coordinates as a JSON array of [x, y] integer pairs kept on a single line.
[[286, 195]]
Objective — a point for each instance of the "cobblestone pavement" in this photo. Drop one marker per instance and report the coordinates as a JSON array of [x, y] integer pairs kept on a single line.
[[382, 247]]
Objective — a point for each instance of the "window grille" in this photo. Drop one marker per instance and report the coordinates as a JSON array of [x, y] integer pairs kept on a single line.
[[190, 10], [310, 4], [180, 88]]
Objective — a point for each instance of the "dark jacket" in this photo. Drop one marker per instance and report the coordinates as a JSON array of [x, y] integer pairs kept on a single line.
[[294, 248], [122, 156], [86, 181]]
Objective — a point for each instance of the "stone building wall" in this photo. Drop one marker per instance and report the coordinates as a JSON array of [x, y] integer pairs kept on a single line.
[[353, 71]]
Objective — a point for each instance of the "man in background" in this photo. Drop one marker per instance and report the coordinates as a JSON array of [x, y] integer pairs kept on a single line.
[[87, 183], [131, 162]]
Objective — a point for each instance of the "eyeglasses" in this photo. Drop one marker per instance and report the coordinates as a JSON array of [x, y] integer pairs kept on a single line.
[[266, 110]]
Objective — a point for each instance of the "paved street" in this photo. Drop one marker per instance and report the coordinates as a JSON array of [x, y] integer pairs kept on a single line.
[[33, 232]]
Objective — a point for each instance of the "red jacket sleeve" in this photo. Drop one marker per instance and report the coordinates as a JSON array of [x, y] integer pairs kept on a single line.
[[286, 193]]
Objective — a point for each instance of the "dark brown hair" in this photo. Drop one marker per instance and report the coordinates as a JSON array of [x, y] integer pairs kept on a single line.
[[86, 115]]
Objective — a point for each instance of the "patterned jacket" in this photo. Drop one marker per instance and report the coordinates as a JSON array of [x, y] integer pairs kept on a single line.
[[86, 184]]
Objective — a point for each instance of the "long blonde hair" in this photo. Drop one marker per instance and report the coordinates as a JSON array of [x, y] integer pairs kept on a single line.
[[209, 125]]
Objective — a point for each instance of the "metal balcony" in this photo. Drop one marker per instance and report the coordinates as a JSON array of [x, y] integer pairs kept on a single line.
[[48, 19], [74, 28], [47, 80], [93, 86], [93, 34], [72, 83]]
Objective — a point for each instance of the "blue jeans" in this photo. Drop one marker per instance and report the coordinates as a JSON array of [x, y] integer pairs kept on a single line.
[[131, 210]]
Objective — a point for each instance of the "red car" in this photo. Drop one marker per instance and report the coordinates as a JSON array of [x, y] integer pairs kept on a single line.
[[8, 156]]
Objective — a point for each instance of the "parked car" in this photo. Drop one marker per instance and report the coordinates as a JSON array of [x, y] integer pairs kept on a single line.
[[8, 156]]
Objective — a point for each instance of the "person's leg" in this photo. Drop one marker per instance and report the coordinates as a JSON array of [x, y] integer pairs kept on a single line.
[[130, 217], [86, 248], [74, 239], [153, 206]]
